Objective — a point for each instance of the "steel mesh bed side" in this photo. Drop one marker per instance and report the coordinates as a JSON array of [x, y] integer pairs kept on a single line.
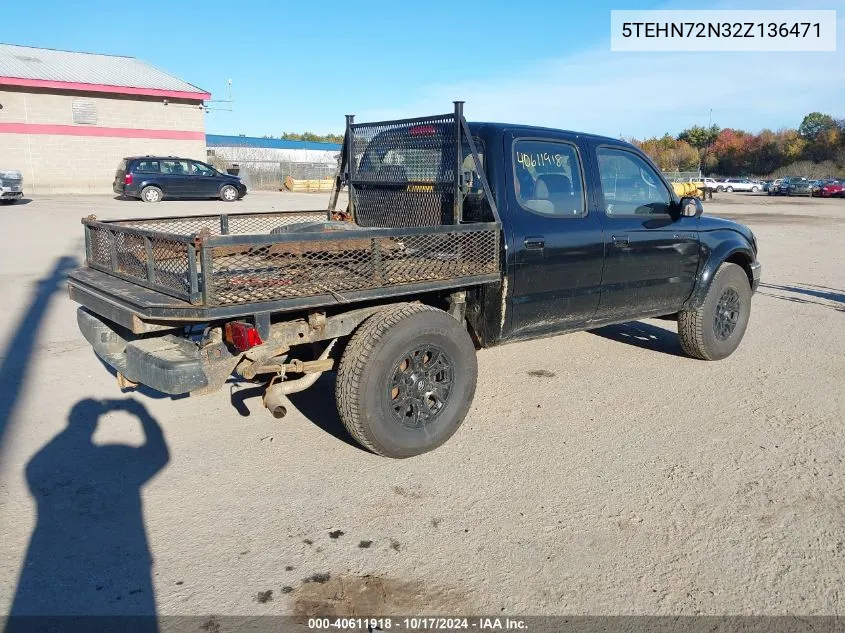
[[162, 262], [351, 261], [162, 254], [224, 224]]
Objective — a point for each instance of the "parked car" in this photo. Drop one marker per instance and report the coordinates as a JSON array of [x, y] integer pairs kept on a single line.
[[153, 178], [739, 184], [795, 187], [408, 284], [11, 186], [709, 183], [829, 189], [774, 188]]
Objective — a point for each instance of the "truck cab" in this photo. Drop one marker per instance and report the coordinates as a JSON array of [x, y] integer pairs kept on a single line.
[[594, 233]]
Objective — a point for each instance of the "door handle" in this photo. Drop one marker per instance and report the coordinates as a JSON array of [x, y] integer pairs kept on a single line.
[[620, 240], [535, 243]]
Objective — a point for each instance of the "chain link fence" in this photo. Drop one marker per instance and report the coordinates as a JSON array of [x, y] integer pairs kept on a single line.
[[680, 176], [270, 175], [266, 168]]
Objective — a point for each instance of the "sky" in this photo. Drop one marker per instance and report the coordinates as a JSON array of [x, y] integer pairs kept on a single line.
[[298, 66]]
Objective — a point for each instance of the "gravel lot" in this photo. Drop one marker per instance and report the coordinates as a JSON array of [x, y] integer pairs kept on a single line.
[[597, 473]]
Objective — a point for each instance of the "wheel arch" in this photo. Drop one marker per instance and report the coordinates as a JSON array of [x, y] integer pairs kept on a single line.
[[734, 250]]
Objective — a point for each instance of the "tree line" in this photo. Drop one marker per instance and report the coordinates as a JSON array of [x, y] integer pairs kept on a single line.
[[815, 150], [311, 137]]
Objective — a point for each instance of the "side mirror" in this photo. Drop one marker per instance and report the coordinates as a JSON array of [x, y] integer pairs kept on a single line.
[[691, 207]]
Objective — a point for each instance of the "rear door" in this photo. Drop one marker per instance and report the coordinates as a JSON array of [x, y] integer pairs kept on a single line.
[[556, 236], [651, 252], [175, 174]]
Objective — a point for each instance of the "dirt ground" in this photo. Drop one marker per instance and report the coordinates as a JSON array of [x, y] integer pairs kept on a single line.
[[597, 473]]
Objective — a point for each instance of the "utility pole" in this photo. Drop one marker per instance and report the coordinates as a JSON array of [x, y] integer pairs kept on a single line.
[[706, 147]]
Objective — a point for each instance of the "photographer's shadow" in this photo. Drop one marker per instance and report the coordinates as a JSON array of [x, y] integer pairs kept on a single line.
[[88, 555]]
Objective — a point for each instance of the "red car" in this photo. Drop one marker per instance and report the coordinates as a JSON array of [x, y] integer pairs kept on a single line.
[[829, 189]]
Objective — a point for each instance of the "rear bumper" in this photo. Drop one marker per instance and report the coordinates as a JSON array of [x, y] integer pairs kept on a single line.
[[168, 363], [756, 269]]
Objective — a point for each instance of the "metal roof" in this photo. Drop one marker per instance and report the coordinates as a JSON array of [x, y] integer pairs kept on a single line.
[[225, 140], [45, 64]]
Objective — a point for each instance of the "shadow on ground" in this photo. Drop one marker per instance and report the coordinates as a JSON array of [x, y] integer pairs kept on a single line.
[[16, 358], [317, 404], [832, 295], [88, 555], [643, 335]]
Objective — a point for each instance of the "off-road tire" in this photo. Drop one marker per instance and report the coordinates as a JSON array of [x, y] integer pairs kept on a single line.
[[151, 194], [697, 328], [369, 363]]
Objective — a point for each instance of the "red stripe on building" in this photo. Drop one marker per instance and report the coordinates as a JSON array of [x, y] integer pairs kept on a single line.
[[83, 130], [123, 90]]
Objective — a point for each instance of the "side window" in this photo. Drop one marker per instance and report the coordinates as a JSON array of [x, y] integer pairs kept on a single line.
[[147, 167], [199, 169], [548, 178], [175, 167], [630, 185]]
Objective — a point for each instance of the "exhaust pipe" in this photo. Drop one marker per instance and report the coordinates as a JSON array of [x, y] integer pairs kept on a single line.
[[275, 396], [275, 401]]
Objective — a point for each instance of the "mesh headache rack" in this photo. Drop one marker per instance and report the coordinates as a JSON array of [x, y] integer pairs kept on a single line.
[[408, 188]]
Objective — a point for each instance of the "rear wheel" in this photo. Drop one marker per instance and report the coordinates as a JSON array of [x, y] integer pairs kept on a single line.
[[729, 189], [715, 330], [151, 194], [228, 193], [406, 380], [755, 189]]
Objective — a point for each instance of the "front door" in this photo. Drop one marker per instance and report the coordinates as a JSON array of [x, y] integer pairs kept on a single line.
[[556, 238], [651, 254], [203, 181]]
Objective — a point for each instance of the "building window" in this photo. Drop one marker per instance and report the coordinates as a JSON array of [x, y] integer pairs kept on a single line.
[[84, 112]]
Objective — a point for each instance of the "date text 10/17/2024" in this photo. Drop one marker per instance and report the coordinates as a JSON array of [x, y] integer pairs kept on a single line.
[[417, 624]]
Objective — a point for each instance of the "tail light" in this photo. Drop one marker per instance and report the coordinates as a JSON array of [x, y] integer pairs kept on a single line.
[[242, 336], [127, 179], [423, 130]]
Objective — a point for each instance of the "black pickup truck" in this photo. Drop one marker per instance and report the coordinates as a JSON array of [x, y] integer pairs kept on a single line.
[[456, 236]]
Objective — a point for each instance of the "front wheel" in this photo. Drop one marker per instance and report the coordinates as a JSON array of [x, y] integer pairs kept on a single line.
[[754, 189], [715, 330], [729, 189], [228, 193], [406, 380]]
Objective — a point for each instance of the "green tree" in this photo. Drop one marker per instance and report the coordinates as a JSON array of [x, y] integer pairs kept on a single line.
[[312, 137], [815, 124], [700, 137]]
